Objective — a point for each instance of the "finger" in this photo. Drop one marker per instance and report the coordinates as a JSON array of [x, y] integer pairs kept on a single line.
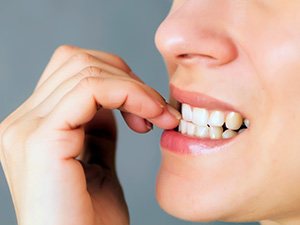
[[61, 57], [137, 123], [165, 120], [72, 67], [63, 53], [49, 102], [80, 105]]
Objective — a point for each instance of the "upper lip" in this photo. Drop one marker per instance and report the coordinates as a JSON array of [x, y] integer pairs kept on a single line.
[[199, 100]]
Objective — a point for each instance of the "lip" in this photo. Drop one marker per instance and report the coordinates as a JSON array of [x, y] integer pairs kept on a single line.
[[176, 142], [181, 144], [200, 100]]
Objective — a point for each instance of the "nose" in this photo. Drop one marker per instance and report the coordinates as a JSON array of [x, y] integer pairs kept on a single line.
[[195, 32]]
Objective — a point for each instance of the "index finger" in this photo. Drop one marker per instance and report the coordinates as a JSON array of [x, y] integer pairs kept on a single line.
[[80, 105]]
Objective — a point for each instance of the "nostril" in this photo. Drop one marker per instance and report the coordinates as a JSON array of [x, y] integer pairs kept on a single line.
[[184, 56], [190, 56], [197, 58]]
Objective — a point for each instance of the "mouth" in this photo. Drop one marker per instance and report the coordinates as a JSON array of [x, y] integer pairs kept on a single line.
[[207, 124]]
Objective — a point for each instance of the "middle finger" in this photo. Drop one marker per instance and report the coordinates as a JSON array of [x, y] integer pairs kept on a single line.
[[72, 67]]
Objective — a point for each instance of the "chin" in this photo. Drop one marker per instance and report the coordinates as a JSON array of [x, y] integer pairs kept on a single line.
[[178, 198], [196, 196]]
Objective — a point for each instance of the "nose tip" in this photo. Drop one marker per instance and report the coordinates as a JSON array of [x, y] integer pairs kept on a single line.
[[186, 41]]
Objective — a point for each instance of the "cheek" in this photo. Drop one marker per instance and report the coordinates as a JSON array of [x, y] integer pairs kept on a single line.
[[274, 49], [279, 71], [278, 127]]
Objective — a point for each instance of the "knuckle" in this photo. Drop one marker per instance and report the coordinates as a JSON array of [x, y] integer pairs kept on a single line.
[[89, 75], [89, 80], [83, 58], [65, 50], [9, 136], [14, 135], [121, 62], [92, 71]]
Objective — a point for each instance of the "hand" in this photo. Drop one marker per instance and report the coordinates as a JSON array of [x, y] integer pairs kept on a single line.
[[58, 147]]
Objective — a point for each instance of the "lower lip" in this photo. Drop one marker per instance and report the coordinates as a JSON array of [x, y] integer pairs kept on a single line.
[[181, 144]]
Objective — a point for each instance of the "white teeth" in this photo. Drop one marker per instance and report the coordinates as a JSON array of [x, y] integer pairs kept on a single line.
[[234, 121], [187, 113], [247, 123], [191, 128], [215, 132], [229, 134], [201, 123], [202, 132], [216, 119], [200, 116], [182, 127]]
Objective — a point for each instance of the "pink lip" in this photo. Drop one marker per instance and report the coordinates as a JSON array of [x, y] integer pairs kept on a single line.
[[199, 100], [182, 144]]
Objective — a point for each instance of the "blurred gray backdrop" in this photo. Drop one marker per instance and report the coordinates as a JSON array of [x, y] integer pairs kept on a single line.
[[32, 29]]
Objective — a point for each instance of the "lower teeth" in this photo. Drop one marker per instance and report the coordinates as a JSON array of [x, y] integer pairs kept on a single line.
[[194, 130]]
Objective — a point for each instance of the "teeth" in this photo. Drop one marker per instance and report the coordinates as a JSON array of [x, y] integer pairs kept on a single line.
[[229, 134], [191, 128], [247, 123], [202, 132], [215, 132], [182, 127], [234, 121], [216, 119], [201, 123], [200, 116], [187, 113]]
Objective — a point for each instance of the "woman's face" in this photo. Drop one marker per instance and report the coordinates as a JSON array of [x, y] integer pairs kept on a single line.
[[245, 54]]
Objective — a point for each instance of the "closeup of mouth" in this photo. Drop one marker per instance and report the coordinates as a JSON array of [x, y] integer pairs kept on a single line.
[[207, 124], [212, 124]]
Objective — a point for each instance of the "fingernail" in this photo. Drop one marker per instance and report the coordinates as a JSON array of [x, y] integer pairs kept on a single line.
[[174, 112], [149, 125], [161, 105]]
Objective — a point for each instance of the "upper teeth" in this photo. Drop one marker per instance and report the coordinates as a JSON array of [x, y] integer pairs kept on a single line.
[[187, 112], [216, 118], [234, 121], [203, 123], [200, 116]]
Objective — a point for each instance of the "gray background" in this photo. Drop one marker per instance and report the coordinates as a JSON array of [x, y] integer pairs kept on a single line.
[[32, 29]]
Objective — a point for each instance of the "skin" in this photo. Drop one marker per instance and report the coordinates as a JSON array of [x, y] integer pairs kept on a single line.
[[67, 118], [246, 53]]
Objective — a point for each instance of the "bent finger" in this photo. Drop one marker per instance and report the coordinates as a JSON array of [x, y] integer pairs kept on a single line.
[[80, 105], [63, 53], [71, 68], [49, 102]]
